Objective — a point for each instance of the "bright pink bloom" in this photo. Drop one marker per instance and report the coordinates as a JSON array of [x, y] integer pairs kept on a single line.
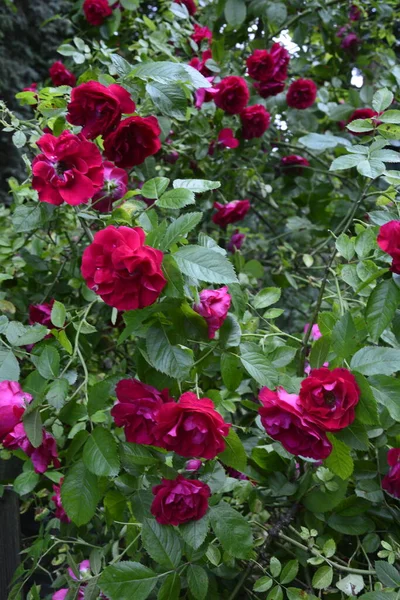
[[13, 401], [315, 331], [31, 88], [230, 213], [69, 169], [190, 5], [232, 94], [226, 138], [98, 108], [236, 241], [269, 88], [201, 33], [200, 65], [124, 272], [96, 11], [41, 313], [59, 512], [60, 75], [283, 420], [114, 188], [391, 481], [350, 43], [193, 465], [255, 121], [180, 500], [191, 427], [136, 410], [389, 241], [133, 141], [301, 94], [205, 94], [213, 307], [293, 164], [42, 457]]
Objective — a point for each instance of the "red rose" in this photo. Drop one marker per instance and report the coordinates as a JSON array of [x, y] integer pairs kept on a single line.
[[13, 401], [255, 121], [180, 500], [283, 420], [200, 64], [328, 398], [42, 457], [269, 88], [191, 427], [124, 272], [293, 163], [301, 94], [133, 141], [354, 13], [69, 170], [31, 88], [114, 188], [190, 5], [391, 481], [205, 94], [213, 307], [59, 512], [231, 212], [60, 75], [281, 59], [232, 95], [236, 241], [362, 113], [96, 11], [41, 313], [200, 34], [389, 241], [98, 108], [350, 43], [136, 410], [264, 66], [227, 139]]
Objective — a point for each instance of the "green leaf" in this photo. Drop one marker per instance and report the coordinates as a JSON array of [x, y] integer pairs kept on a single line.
[[319, 351], [155, 187], [19, 139], [275, 566], [345, 246], [9, 367], [231, 371], [175, 199], [235, 12], [387, 574], [360, 126], [386, 391], [319, 141], [371, 168], [194, 533], [33, 427], [354, 525], [171, 588], [48, 363], [322, 578], [230, 526], [276, 13], [26, 482], [234, 454], [174, 287], [345, 162], [366, 409], [98, 396], [266, 297], [80, 494], [263, 584], [205, 264], [391, 116], [33, 216], [257, 365], [339, 461], [344, 336], [127, 580], [289, 571], [381, 307], [382, 99], [376, 360], [170, 72], [197, 581], [18, 335], [230, 332], [130, 4], [100, 453], [58, 314], [318, 501], [276, 593], [169, 98], [175, 361], [162, 543], [196, 185], [179, 228]]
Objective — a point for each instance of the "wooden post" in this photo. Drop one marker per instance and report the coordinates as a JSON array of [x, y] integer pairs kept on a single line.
[[10, 530]]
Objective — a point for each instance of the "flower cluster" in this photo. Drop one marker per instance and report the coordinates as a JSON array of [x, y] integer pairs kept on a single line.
[[326, 402]]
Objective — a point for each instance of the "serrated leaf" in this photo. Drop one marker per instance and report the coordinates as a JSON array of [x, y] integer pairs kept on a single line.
[[345, 162], [319, 351], [381, 307], [234, 454], [266, 297], [127, 580], [33, 427], [229, 526], [154, 188], [344, 336], [382, 99], [58, 314], [387, 574], [235, 12], [196, 185], [100, 453], [174, 361], [176, 198], [171, 587], [48, 363], [339, 461], [258, 366], [205, 264], [376, 360], [322, 578], [197, 581], [179, 228], [162, 543], [9, 367], [80, 494], [194, 533]]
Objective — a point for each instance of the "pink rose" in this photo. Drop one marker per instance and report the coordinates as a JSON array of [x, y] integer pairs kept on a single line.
[[236, 241], [13, 401], [226, 138], [315, 331], [391, 481], [230, 213], [213, 307], [115, 187], [42, 457], [59, 512], [180, 500]]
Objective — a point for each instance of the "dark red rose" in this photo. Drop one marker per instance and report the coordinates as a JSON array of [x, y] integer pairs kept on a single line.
[[391, 481], [281, 59], [354, 13], [69, 169], [301, 94], [232, 95], [255, 121], [231, 212], [362, 113], [13, 401], [136, 410], [133, 141], [200, 64], [114, 188], [269, 88], [191, 427], [41, 313], [328, 398], [60, 75], [227, 139], [190, 5], [180, 500], [42, 457], [236, 241], [98, 108], [213, 307], [59, 512], [389, 241], [124, 272], [350, 43], [96, 11], [31, 88], [201, 33], [293, 163], [266, 66], [282, 418], [171, 157]]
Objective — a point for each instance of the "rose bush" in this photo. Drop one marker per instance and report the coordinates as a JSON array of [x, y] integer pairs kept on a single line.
[[199, 329]]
